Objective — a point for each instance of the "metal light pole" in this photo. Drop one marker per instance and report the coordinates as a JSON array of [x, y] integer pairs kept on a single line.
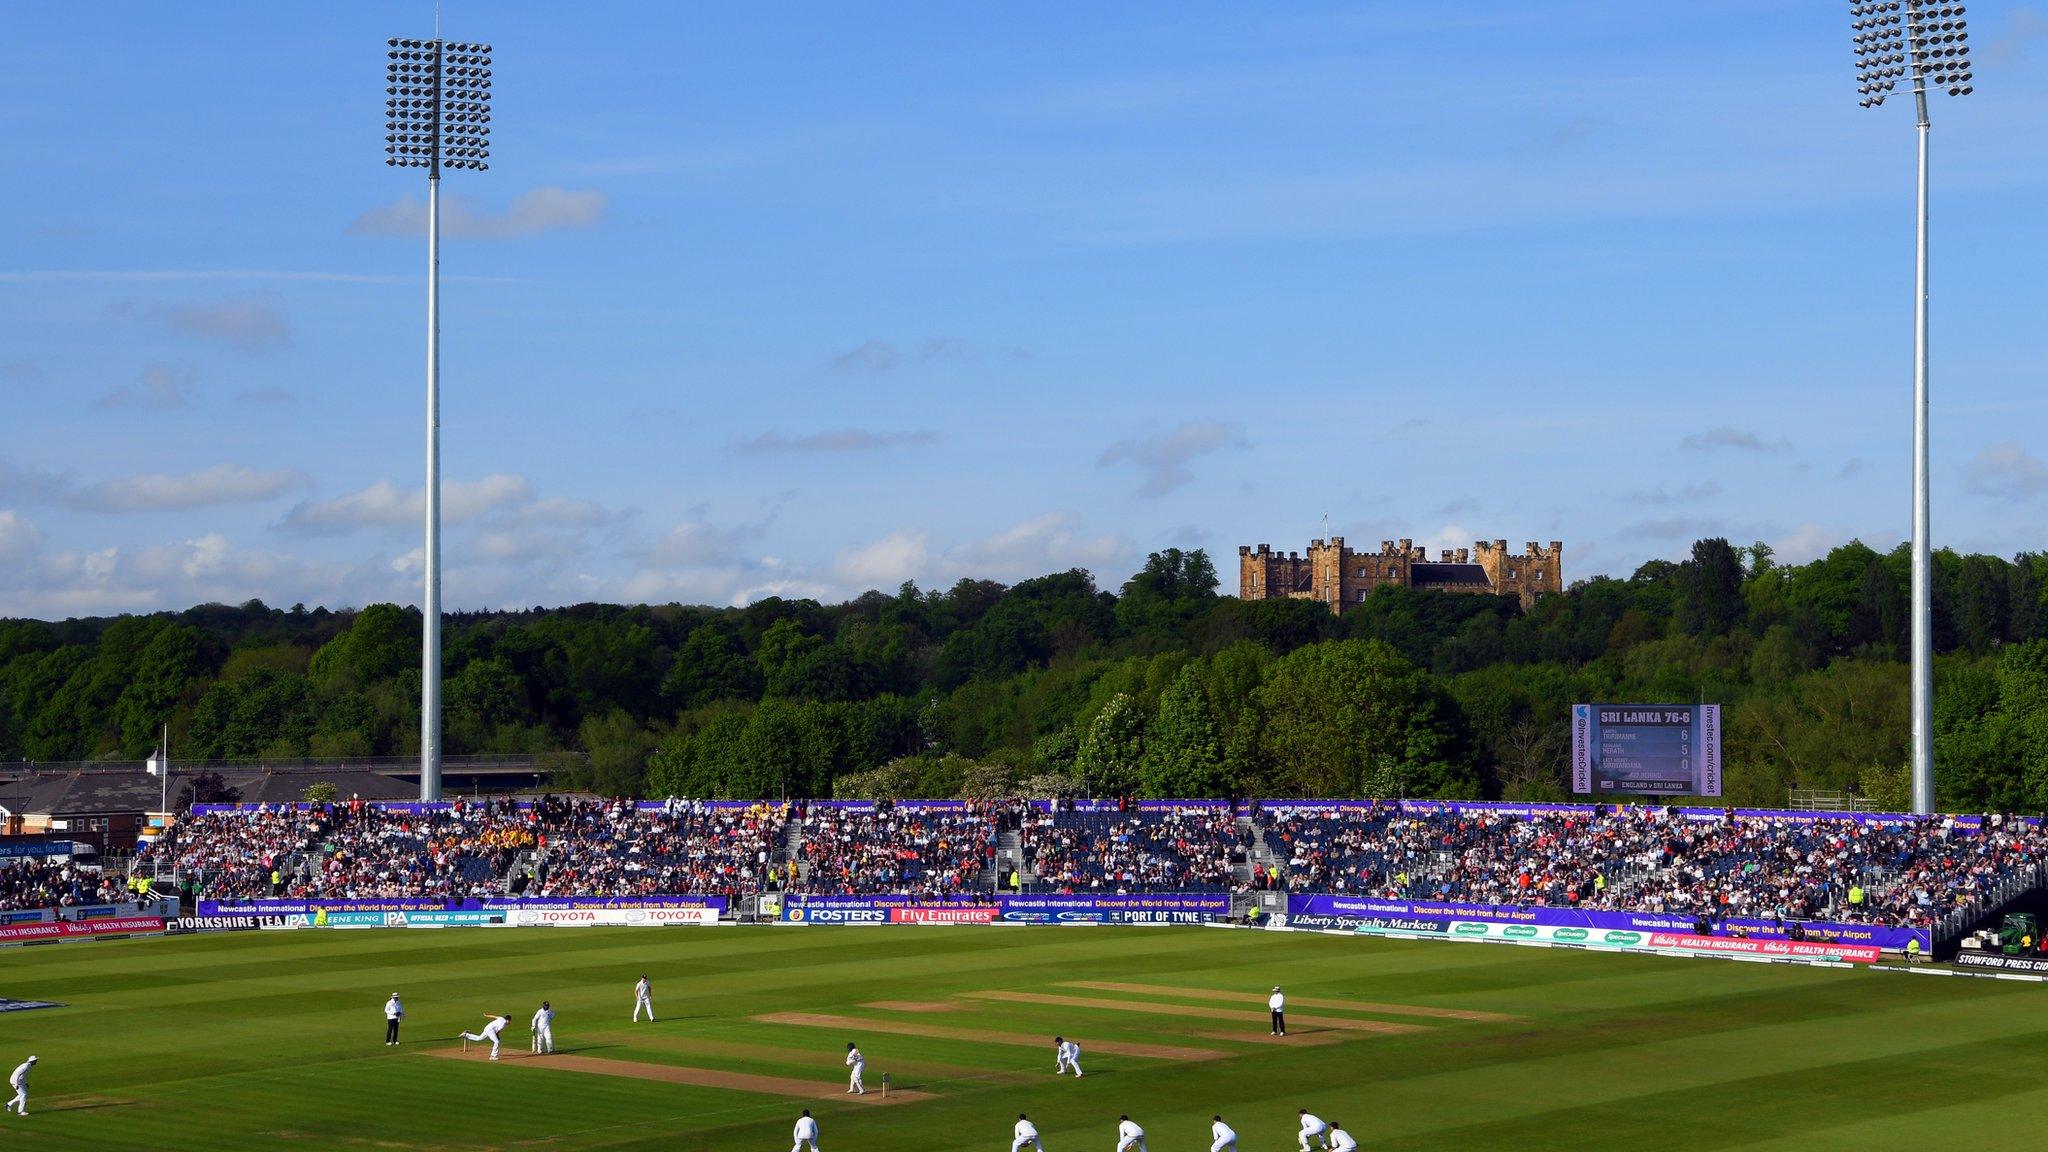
[[437, 115], [1925, 42]]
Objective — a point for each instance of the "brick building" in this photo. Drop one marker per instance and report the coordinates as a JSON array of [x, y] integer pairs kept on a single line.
[[1337, 575]]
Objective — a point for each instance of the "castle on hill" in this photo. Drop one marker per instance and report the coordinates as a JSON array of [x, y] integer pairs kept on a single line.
[[1335, 574]]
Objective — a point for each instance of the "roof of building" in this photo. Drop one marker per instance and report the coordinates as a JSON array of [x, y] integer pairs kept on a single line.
[[108, 790], [1427, 575]]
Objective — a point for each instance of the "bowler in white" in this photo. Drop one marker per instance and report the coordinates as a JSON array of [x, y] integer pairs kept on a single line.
[[806, 1132], [643, 997], [489, 1033], [1026, 1135], [19, 1081], [544, 1028], [1066, 1054], [859, 1064], [1225, 1136], [1312, 1127], [1129, 1137]]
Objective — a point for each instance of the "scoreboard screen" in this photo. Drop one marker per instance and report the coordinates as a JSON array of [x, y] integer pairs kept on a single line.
[[1646, 749]]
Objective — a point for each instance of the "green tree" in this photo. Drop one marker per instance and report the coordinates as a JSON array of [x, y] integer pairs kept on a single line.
[[1352, 718], [710, 666], [1113, 748], [1183, 748], [1710, 599]]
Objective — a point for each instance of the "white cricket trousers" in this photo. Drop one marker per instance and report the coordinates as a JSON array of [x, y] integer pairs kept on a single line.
[[799, 1145], [20, 1101], [544, 1038], [1226, 1142], [1307, 1136], [853, 1082], [1021, 1143], [646, 1002], [480, 1038], [1137, 1142], [1066, 1062]]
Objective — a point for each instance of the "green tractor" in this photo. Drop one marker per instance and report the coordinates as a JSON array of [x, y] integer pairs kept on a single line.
[[2020, 935]]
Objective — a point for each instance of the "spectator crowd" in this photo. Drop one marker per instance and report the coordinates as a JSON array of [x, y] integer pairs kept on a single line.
[[908, 849], [1187, 849], [1906, 873], [38, 884], [1902, 872]]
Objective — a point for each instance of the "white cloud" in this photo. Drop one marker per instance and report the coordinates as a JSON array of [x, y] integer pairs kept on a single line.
[[886, 563], [1035, 547], [882, 356], [1164, 458], [251, 325], [1807, 543], [159, 387], [531, 213], [220, 484], [2006, 471], [837, 440], [1734, 439], [1686, 494], [699, 545], [386, 505], [19, 537]]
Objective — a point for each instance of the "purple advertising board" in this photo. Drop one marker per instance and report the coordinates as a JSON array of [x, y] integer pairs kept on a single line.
[[1048, 908], [1334, 909], [269, 907]]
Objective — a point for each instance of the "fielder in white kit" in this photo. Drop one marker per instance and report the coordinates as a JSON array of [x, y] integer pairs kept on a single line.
[[1129, 1137], [806, 1132], [859, 1064], [489, 1033], [1313, 1127], [643, 997], [1027, 1135], [1225, 1136], [1066, 1054], [544, 1028], [19, 1081], [1340, 1140]]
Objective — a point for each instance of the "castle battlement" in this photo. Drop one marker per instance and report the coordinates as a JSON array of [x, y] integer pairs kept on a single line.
[[1340, 576]]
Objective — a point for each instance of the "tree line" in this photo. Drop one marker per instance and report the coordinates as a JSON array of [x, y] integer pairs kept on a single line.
[[1160, 688]]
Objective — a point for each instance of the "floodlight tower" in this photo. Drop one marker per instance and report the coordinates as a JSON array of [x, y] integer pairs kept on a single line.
[[1925, 42], [437, 115]]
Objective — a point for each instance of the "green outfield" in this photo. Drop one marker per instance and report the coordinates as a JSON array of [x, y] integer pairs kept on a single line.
[[274, 1041]]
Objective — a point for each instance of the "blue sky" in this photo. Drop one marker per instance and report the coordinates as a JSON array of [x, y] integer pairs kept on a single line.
[[806, 299]]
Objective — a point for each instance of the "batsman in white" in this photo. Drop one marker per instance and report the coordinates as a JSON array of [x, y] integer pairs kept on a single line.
[[806, 1132], [489, 1033], [19, 1105], [1312, 1127], [859, 1064], [1129, 1137], [1340, 1140], [1226, 1137], [1026, 1135], [544, 1028], [1066, 1054], [643, 997]]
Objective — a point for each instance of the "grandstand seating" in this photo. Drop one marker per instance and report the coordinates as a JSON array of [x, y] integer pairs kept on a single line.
[[1895, 871]]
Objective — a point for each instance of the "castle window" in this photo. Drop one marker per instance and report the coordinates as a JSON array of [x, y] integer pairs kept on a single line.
[[1513, 574], [1361, 595]]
